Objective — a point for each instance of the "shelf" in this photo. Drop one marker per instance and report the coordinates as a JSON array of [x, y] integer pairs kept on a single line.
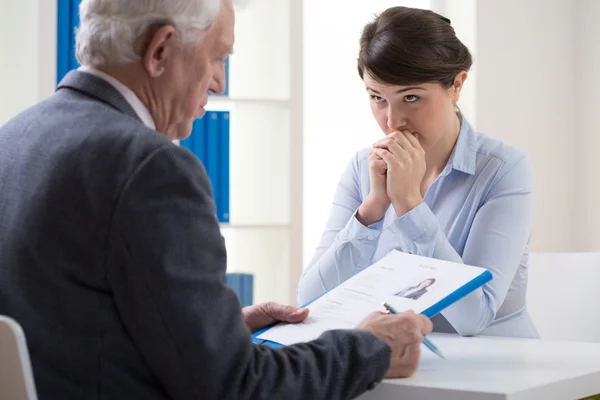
[[230, 104]]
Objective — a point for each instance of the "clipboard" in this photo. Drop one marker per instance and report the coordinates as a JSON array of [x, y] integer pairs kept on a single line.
[[479, 280]]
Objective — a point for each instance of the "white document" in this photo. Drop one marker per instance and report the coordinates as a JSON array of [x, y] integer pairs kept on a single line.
[[405, 281]]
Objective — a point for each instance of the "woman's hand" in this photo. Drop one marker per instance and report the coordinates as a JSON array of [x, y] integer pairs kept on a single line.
[[377, 202], [405, 160]]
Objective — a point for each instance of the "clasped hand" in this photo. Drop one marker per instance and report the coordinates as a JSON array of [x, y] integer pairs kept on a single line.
[[396, 170]]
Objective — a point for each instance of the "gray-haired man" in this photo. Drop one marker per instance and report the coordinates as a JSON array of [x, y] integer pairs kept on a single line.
[[110, 253]]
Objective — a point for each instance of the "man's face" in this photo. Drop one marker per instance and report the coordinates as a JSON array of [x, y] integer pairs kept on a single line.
[[195, 70]]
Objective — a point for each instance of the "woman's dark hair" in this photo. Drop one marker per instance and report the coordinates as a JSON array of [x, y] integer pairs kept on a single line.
[[407, 46]]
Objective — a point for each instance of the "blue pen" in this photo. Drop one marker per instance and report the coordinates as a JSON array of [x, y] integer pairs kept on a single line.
[[426, 341]]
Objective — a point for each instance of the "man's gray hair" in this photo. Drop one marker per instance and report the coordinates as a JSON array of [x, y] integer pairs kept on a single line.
[[109, 29]]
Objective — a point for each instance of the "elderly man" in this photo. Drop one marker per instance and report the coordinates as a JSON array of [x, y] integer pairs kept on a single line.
[[110, 253]]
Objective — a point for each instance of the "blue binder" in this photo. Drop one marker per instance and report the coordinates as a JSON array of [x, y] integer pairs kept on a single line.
[[223, 175], [199, 133], [74, 25], [209, 141], [435, 309], [212, 153], [67, 19], [242, 284]]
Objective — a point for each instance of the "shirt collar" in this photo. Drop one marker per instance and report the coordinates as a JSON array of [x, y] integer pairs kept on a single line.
[[464, 154], [138, 106]]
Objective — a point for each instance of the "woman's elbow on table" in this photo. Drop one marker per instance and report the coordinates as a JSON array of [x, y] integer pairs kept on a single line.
[[473, 324]]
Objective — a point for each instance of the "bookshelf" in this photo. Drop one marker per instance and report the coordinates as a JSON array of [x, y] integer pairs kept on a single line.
[[264, 234]]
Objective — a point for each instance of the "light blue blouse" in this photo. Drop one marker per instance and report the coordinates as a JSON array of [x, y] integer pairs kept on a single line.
[[479, 212]]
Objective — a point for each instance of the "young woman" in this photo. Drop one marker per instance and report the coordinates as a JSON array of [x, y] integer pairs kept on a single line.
[[431, 186]]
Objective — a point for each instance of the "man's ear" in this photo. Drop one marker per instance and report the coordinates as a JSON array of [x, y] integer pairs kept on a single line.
[[459, 81], [160, 44]]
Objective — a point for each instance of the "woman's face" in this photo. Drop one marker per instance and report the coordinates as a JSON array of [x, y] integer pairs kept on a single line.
[[426, 110]]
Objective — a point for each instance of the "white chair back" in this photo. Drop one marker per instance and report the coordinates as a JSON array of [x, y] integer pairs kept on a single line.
[[563, 296], [16, 376]]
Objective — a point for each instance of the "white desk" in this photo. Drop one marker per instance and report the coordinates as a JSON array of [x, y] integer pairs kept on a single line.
[[485, 368]]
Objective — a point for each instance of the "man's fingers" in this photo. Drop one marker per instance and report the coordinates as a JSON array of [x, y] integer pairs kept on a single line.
[[280, 312], [412, 356], [405, 362], [425, 324], [298, 316]]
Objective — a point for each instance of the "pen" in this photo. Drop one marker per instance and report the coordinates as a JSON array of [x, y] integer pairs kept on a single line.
[[426, 341]]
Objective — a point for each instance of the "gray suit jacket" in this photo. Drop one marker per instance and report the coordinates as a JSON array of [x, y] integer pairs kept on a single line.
[[112, 261]]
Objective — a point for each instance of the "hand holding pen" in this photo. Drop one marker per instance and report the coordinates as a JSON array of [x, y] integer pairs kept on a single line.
[[404, 334], [426, 341]]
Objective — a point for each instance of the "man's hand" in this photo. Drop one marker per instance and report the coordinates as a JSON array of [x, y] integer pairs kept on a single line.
[[404, 334], [260, 315]]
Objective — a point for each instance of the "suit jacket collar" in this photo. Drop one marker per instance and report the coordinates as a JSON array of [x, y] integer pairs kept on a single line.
[[97, 88]]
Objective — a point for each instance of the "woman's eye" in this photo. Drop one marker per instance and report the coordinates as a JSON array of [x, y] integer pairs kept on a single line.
[[411, 98], [377, 99]]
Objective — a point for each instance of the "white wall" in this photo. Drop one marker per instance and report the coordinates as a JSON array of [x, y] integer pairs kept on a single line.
[[27, 42], [586, 142], [537, 88], [462, 14], [337, 117], [526, 96]]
